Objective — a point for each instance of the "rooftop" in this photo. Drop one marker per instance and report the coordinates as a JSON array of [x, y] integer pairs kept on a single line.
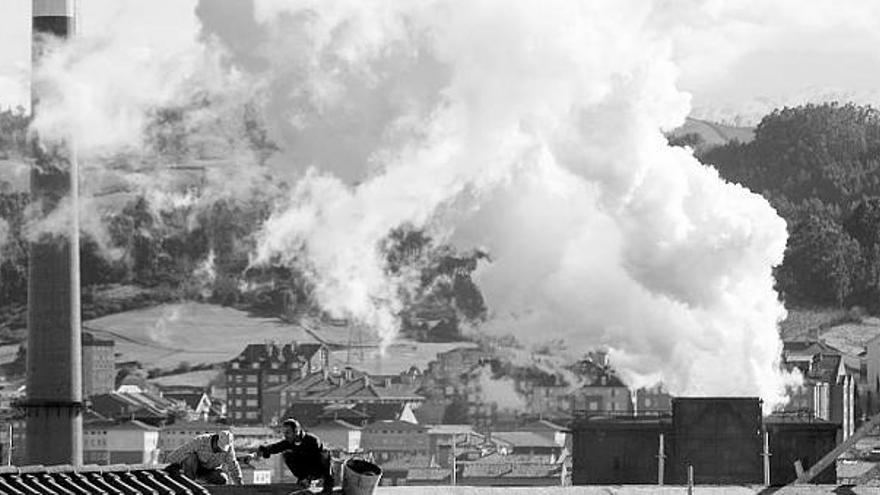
[[142, 479]]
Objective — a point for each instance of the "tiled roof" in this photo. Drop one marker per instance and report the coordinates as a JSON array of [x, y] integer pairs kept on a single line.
[[396, 424], [440, 475], [191, 399], [446, 429], [409, 462], [335, 413], [543, 425], [106, 424], [308, 350], [524, 439], [335, 424], [86, 480], [509, 470]]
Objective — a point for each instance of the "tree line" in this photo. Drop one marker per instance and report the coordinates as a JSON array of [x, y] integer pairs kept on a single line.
[[201, 251], [819, 166]]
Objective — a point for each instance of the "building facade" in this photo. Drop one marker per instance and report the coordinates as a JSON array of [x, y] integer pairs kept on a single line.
[[98, 365], [131, 442], [262, 366], [393, 439]]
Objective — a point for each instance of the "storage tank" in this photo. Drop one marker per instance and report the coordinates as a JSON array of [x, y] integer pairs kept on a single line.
[[616, 451], [794, 438], [721, 437]]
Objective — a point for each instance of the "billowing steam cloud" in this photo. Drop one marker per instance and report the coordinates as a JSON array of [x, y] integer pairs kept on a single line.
[[500, 391], [533, 129]]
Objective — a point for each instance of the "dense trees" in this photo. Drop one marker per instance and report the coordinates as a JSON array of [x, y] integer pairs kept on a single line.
[[819, 165]]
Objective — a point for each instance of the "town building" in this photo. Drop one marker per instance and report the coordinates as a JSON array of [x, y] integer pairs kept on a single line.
[[351, 396], [653, 400], [98, 365], [261, 366], [394, 439], [110, 442], [197, 404], [603, 392]]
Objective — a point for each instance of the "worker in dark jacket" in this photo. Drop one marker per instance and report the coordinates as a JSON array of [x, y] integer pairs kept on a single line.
[[304, 454]]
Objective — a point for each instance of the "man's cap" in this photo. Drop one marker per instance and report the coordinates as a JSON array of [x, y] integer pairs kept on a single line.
[[224, 440]]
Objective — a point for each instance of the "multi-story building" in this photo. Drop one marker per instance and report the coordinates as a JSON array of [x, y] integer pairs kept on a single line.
[[603, 392], [394, 439], [261, 366], [109, 442], [827, 391], [607, 395], [98, 365], [653, 400]]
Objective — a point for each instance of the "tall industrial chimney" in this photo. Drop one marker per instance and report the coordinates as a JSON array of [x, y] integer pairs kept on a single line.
[[54, 375]]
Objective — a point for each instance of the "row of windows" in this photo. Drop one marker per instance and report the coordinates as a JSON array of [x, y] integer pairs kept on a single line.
[[245, 415], [244, 403], [249, 378], [243, 391]]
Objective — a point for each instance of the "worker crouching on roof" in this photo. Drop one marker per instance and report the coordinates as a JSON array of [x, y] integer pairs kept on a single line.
[[304, 454], [205, 458]]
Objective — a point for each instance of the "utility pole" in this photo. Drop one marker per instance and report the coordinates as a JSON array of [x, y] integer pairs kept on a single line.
[[454, 466], [766, 456], [661, 460], [9, 452]]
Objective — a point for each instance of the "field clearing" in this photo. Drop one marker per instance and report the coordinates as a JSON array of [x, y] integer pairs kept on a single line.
[[166, 335], [199, 378]]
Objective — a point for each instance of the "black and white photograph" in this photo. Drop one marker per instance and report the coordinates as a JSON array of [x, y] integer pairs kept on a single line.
[[466, 247]]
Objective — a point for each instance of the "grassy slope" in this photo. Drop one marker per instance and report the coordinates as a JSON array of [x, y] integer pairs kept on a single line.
[[164, 336], [715, 134]]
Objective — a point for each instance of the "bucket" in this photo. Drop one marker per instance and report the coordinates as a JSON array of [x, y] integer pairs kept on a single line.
[[360, 477]]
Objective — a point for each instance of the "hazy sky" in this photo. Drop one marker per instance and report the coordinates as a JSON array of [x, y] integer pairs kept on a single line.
[[734, 56]]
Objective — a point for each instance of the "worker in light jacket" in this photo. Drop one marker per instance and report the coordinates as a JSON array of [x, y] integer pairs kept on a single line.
[[304, 454], [206, 457]]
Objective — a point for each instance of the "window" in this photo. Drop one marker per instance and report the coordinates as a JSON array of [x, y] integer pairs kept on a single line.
[[251, 415], [251, 379], [251, 391], [234, 365], [251, 403]]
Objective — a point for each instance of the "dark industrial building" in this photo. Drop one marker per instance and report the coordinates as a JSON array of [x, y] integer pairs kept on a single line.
[[722, 438]]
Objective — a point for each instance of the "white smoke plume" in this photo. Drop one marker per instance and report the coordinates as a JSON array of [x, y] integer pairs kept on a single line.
[[531, 128], [205, 275], [159, 331], [534, 130], [500, 391]]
